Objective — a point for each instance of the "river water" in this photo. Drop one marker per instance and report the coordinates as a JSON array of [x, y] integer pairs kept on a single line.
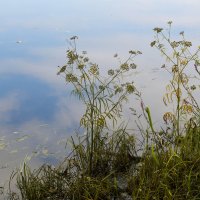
[[37, 113]]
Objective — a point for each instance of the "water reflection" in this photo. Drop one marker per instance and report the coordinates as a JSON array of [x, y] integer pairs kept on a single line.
[[34, 121], [43, 143], [36, 112], [24, 98]]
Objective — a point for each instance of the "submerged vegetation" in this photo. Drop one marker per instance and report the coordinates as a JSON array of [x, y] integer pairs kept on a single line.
[[109, 161]]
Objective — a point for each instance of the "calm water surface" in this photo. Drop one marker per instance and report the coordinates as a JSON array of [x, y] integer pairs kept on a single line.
[[37, 113]]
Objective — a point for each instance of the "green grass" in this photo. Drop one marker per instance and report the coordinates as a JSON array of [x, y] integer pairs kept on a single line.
[[166, 174], [109, 162]]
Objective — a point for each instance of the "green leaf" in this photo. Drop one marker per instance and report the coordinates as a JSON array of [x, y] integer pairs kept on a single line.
[[154, 155], [153, 43], [63, 68]]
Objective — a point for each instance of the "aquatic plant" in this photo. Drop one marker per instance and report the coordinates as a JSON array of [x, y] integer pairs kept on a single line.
[[104, 163], [102, 97]]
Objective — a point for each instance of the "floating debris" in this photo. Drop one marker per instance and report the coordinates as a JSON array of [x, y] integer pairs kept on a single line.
[[3, 146], [4, 166], [15, 132], [43, 125], [14, 151], [22, 138], [2, 138], [45, 152], [19, 42]]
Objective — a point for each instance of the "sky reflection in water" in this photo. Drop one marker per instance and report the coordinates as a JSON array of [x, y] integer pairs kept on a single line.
[[35, 108]]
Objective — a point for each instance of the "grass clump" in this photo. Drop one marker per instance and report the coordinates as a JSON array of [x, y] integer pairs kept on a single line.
[[177, 180], [108, 162], [176, 175], [73, 181]]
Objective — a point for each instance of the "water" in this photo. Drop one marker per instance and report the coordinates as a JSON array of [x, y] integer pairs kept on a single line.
[[37, 113]]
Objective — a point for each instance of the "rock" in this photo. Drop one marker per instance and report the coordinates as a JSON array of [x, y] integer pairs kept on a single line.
[[122, 183], [125, 196]]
